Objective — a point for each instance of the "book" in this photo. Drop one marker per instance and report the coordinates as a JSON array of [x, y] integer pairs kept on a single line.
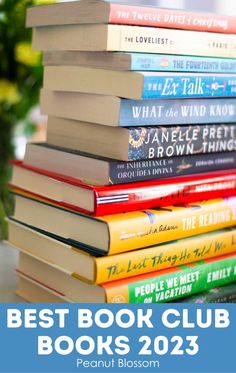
[[140, 61], [98, 270], [104, 200], [104, 171], [91, 11], [139, 143], [138, 85], [34, 292], [128, 113], [118, 38], [157, 287], [223, 294], [112, 234]]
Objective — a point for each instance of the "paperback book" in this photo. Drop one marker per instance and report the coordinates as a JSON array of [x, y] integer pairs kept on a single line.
[[129, 113], [105, 171], [119, 38], [141, 61], [103, 12], [139, 143], [138, 85]]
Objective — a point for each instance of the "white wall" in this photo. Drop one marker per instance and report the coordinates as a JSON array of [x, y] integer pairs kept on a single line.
[[219, 6], [226, 7], [180, 4]]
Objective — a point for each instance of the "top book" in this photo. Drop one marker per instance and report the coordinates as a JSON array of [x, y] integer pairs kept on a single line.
[[98, 11]]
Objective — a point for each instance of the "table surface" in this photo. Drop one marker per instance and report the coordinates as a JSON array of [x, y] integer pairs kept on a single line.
[[8, 278]]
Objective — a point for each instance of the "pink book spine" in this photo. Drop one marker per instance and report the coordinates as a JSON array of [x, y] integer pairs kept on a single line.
[[171, 18]]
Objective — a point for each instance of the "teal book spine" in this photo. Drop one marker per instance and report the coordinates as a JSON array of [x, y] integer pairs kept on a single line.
[[174, 63]]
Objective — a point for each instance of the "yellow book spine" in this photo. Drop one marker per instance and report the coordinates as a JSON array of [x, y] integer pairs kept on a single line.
[[170, 255], [173, 283], [160, 40], [141, 229]]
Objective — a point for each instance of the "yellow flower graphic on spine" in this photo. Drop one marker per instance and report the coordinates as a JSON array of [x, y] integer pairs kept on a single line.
[[25, 55], [9, 92]]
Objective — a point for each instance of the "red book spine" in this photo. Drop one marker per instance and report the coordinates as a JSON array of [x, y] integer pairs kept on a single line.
[[171, 18], [181, 190], [114, 199]]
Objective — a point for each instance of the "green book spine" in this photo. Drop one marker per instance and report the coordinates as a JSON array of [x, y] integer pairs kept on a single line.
[[184, 281], [223, 294]]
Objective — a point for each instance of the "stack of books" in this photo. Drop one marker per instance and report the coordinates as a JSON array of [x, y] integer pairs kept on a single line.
[[133, 197]]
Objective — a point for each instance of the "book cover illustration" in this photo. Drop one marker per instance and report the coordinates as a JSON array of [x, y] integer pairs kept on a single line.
[[153, 142]]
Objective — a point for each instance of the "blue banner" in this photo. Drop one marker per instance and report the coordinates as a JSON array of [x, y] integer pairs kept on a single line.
[[114, 338]]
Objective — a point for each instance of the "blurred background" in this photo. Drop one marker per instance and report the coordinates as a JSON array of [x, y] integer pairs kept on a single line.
[[21, 78]]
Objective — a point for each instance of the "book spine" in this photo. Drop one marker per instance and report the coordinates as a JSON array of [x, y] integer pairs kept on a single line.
[[127, 172], [161, 142], [176, 283], [172, 112], [188, 86], [165, 62], [172, 192], [223, 294], [166, 41], [145, 228], [170, 18], [116, 267]]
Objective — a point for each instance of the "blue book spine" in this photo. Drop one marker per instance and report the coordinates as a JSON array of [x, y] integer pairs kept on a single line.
[[165, 62], [188, 86], [173, 112]]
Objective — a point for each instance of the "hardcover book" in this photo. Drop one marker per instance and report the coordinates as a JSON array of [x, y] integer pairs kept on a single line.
[[138, 85], [104, 171], [140, 61], [157, 287], [97, 270], [127, 113], [139, 143], [112, 234], [91, 11], [104, 200]]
